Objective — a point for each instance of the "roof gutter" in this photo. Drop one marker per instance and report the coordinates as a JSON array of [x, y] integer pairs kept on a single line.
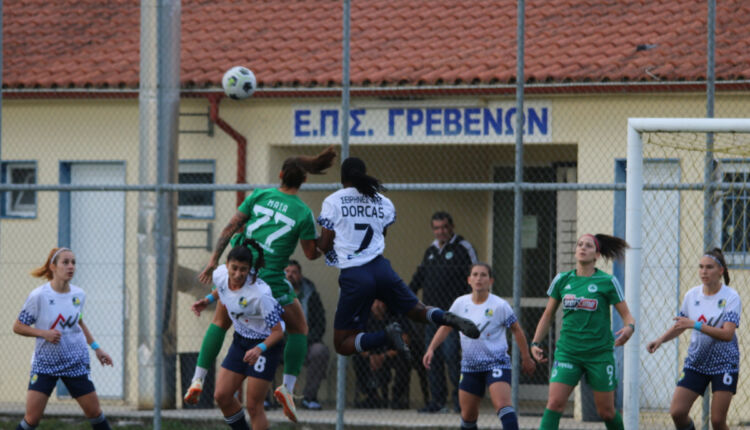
[[401, 91], [214, 99]]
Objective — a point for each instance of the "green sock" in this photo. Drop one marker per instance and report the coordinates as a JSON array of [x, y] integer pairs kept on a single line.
[[616, 423], [212, 341], [295, 352], [550, 420]]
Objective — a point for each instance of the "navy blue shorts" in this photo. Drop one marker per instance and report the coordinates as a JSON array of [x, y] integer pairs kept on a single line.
[[264, 368], [361, 285], [77, 385], [695, 381], [476, 382]]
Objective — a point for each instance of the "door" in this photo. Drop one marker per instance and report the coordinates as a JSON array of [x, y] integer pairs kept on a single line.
[[96, 226]]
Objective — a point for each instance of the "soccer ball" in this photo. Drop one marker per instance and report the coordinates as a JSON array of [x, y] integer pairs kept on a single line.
[[239, 82]]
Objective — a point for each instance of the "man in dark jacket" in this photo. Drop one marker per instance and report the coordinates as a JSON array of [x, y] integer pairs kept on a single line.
[[317, 352], [443, 275]]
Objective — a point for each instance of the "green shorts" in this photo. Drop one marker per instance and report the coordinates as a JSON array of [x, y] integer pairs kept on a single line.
[[282, 290], [599, 370]]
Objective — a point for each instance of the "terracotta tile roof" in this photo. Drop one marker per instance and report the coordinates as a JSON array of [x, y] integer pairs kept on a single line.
[[95, 43]]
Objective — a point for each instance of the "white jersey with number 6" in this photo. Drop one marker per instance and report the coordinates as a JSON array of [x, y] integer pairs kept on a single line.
[[359, 223]]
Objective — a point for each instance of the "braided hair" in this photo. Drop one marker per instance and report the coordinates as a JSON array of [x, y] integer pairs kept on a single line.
[[354, 171]]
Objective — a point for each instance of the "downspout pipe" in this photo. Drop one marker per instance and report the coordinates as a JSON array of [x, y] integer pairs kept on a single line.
[[215, 99]]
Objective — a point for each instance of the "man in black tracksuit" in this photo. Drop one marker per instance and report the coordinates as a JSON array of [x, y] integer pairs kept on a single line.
[[442, 275]]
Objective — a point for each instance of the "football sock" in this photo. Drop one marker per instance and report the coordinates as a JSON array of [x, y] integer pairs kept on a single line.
[[100, 423], [615, 423], [212, 341], [295, 352], [436, 316], [508, 417], [550, 420], [468, 425], [237, 421], [289, 382], [23, 425], [367, 341]]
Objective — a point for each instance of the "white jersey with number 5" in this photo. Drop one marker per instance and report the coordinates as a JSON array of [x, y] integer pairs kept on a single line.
[[359, 223]]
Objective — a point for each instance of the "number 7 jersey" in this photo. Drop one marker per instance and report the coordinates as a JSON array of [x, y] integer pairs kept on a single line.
[[359, 223], [277, 221]]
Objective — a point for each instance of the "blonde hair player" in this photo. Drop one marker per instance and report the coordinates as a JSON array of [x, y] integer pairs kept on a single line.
[[586, 345], [53, 314]]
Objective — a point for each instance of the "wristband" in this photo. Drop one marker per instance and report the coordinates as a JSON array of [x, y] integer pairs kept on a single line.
[[262, 346], [210, 298], [631, 325], [537, 344], [94, 345], [698, 325]]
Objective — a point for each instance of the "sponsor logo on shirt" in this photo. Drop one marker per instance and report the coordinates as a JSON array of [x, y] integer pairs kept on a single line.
[[65, 323], [570, 301]]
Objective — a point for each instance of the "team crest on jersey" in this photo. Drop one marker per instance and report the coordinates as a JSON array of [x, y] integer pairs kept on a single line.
[[572, 302], [76, 301], [592, 288], [448, 255], [34, 378], [242, 302], [488, 313], [722, 303]]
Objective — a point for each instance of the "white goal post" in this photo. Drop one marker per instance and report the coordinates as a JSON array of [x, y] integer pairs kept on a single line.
[[633, 227]]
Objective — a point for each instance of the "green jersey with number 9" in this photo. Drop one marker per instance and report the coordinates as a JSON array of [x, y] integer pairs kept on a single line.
[[277, 222]]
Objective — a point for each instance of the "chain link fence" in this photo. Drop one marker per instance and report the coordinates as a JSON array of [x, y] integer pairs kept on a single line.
[[436, 150]]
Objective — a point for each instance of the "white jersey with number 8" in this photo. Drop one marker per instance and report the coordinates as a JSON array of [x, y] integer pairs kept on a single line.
[[359, 223]]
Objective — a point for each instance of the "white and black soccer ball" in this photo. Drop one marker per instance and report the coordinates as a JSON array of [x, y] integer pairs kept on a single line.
[[239, 82]]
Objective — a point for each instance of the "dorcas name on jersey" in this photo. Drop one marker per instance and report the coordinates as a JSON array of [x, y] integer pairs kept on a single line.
[[359, 222]]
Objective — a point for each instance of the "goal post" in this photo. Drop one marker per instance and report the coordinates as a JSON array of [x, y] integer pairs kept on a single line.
[[634, 229]]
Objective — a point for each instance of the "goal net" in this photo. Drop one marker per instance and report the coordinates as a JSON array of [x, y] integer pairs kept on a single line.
[[688, 190]]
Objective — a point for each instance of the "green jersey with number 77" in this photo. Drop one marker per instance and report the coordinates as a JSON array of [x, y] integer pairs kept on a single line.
[[277, 221]]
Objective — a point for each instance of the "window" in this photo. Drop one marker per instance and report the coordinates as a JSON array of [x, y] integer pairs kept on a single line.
[[735, 215], [195, 204], [19, 203]]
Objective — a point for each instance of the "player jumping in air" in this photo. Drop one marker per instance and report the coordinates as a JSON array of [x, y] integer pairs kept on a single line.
[[713, 311], [586, 344], [354, 221], [276, 218]]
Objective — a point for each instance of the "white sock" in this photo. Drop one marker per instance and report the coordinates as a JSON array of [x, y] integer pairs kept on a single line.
[[290, 381], [200, 373]]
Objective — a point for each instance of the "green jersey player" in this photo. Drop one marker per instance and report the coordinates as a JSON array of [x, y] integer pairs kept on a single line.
[[586, 343], [276, 219]]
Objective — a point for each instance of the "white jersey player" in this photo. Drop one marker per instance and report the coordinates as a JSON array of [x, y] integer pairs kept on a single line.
[[354, 222], [258, 337], [485, 361], [53, 314], [712, 310]]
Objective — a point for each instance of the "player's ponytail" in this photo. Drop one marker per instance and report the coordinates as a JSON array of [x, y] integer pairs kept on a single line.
[[354, 171], [295, 169], [260, 262], [45, 271], [610, 247], [717, 255]]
